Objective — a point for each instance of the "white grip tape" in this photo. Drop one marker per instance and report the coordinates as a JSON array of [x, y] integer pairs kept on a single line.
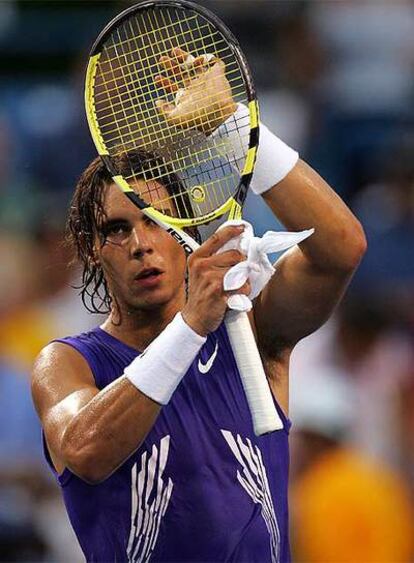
[[259, 396]]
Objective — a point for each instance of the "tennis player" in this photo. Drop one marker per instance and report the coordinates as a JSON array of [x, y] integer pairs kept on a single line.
[[145, 421]]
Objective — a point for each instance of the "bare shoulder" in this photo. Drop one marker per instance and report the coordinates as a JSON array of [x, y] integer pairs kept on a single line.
[[62, 384], [58, 370]]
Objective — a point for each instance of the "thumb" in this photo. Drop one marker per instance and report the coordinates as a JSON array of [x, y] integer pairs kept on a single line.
[[165, 108]]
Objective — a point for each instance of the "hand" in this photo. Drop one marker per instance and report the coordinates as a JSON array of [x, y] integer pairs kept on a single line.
[[207, 301], [205, 101]]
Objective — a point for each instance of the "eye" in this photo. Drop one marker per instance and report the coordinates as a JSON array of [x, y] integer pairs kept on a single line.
[[116, 232], [115, 229]]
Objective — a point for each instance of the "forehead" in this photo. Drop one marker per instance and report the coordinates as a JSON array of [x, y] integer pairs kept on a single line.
[[152, 192]]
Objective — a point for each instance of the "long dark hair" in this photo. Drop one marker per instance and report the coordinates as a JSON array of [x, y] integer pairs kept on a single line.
[[86, 216]]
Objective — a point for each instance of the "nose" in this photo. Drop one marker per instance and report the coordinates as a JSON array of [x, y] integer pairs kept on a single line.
[[141, 240]]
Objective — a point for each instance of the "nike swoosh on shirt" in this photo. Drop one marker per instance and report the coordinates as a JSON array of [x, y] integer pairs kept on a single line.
[[204, 368]]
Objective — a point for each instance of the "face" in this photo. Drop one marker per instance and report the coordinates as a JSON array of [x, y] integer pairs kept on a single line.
[[143, 265]]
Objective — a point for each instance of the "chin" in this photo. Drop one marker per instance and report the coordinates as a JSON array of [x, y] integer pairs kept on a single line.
[[145, 304], [154, 300]]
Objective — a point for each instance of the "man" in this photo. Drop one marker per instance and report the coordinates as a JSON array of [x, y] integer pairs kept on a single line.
[[155, 452]]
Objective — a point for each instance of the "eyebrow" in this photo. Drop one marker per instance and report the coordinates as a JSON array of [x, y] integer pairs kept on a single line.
[[116, 219], [112, 221]]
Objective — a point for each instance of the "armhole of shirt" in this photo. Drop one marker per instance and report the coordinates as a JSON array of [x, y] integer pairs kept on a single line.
[[287, 423], [86, 353], [64, 477]]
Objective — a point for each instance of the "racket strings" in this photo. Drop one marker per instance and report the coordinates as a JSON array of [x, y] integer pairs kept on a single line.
[[219, 184], [137, 82], [124, 103], [134, 83], [165, 51], [142, 53], [149, 133]]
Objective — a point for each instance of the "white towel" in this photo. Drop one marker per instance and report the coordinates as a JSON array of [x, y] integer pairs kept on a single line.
[[257, 267]]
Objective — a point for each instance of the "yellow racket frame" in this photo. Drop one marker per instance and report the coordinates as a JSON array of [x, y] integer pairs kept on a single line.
[[232, 206]]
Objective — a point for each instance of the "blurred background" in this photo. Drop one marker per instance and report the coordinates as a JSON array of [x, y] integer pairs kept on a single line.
[[335, 80]]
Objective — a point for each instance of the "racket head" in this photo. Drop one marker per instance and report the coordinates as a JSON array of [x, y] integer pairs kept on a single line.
[[121, 96]]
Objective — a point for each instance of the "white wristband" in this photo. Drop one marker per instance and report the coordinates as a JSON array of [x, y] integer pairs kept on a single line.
[[160, 368], [275, 159]]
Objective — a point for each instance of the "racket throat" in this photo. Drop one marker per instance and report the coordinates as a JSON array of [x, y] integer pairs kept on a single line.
[[235, 212], [183, 240]]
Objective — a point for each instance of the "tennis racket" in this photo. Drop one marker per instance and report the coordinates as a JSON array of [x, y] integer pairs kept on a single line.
[[162, 85]]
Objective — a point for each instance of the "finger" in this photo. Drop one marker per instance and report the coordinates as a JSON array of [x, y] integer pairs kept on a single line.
[[207, 59], [217, 65], [171, 65], [219, 238], [164, 82], [199, 64], [227, 259], [179, 54], [245, 289], [165, 108]]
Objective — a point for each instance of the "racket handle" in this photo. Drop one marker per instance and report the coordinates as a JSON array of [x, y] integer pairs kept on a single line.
[[256, 387]]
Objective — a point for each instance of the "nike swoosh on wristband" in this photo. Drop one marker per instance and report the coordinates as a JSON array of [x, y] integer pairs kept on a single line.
[[205, 368]]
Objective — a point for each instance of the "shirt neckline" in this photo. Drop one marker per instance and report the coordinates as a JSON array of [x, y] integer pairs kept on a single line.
[[112, 338]]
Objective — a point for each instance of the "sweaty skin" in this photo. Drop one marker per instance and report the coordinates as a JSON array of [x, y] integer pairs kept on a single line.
[[93, 432], [82, 423]]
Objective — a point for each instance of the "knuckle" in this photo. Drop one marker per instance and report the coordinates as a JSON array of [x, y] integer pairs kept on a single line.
[[216, 286], [229, 258], [237, 256], [209, 275], [247, 288], [195, 263], [215, 238]]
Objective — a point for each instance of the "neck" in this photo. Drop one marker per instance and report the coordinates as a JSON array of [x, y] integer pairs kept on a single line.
[[139, 327]]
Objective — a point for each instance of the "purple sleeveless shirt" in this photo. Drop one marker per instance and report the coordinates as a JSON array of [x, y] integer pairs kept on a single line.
[[201, 487]]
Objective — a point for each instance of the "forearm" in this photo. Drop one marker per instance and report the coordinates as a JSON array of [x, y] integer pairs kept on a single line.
[[309, 280], [114, 422], [303, 200], [107, 430]]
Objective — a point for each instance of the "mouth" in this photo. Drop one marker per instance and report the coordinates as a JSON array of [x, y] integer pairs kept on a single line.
[[148, 277]]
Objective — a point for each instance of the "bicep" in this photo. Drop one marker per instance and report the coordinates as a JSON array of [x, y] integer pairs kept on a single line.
[[297, 301], [62, 384]]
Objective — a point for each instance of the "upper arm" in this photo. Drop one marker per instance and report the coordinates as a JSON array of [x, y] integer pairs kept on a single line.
[[62, 384], [299, 298], [311, 278]]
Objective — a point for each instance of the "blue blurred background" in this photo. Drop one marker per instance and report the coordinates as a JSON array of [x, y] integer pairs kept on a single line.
[[336, 80]]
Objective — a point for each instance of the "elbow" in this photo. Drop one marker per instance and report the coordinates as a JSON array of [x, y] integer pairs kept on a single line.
[[81, 456], [354, 245], [359, 244]]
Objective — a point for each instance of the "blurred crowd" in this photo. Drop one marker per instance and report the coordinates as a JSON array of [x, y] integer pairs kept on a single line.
[[336, 80]]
